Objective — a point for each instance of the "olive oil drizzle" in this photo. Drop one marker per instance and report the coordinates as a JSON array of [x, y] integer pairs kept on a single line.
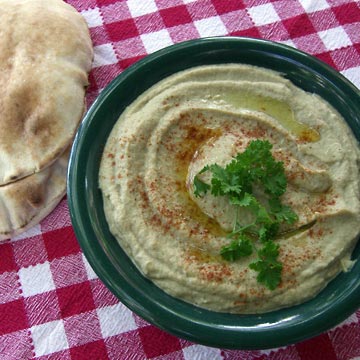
[[277, 109]]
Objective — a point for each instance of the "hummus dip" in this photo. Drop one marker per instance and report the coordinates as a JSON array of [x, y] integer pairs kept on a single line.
[[207, 115]]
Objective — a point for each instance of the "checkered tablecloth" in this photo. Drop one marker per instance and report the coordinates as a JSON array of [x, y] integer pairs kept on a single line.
[[52, 305]]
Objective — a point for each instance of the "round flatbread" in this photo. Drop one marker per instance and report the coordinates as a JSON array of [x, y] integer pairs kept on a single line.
[[45, 56], [25, 202]]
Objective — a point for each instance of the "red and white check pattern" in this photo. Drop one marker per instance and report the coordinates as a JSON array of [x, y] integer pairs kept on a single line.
[[52, 305]]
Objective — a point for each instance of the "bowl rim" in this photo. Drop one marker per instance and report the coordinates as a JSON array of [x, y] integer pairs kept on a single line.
[[201, 331]]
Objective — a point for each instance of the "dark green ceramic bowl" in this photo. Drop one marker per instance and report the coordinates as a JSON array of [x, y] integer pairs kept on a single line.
[[333, 305]]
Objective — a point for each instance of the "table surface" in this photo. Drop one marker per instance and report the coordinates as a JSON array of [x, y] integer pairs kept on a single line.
[[52, 304]]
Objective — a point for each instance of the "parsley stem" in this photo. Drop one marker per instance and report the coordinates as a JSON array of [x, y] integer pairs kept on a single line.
[[236, 219], [286, 234]]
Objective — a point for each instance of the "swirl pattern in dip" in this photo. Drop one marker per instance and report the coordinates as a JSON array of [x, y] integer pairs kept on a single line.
[[207, 115]]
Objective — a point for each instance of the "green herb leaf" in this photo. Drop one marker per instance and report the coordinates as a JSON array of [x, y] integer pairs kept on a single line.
[[275, 180], [268, 267], [224, 182], [254, 167], [268, 231], [237, 249], [244, 201], [200, 188]]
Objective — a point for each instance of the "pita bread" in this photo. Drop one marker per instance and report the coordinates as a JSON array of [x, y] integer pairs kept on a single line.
[[25, 202], [45, 55]]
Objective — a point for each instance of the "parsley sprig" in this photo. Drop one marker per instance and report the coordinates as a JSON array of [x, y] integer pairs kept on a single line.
[[255, 167]]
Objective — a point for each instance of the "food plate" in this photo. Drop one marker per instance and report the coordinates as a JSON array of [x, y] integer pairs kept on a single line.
[[278, 328]]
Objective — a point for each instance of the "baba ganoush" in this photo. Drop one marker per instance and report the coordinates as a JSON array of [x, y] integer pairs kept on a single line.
[[207, 115]]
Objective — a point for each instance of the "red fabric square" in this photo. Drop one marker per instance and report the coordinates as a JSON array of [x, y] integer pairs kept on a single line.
[[129, 48], [289, 352], [237, 20], [75, 299], [115, 12], [58, 219], [60, 243], [236, 355], [353, 32], [326, 57], [92, 84], [337, 2], [99, 35], [201, 9], [82, 4], [183, 32], [102, 296], [163, 4], [7, 259], [317, 348], [82, 328], [42, 308], [276, 31], [345, 341], [119, 347], [59, 355], [127, 62], [122, 30], [323, 20], [345, 58], [13, 317], [91, 97], [149, 23], [251, 3], [252, 32], [92, 351], [299, 26], [105, 74], [9, 287], [30, 251], [310, 43], [157, 342], [175, 16], [105, 2], [68, 270], [140, 322], [222, 6], [16, 345], [285, 11], [347, 13]]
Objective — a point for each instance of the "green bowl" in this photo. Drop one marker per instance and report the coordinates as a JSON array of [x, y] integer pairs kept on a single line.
[[333, 305]]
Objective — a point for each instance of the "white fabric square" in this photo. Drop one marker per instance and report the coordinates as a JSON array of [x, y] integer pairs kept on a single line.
[[312, 6], [288, 42], [188, 1], [353, 74], [35, 230], [212, 26], [156, 40], [104, 55], [263, 14], [89, 270], [92, 17], [115, 319], [49, 338], [335, 38], [200, 352], [143, 7], [36, 279]]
